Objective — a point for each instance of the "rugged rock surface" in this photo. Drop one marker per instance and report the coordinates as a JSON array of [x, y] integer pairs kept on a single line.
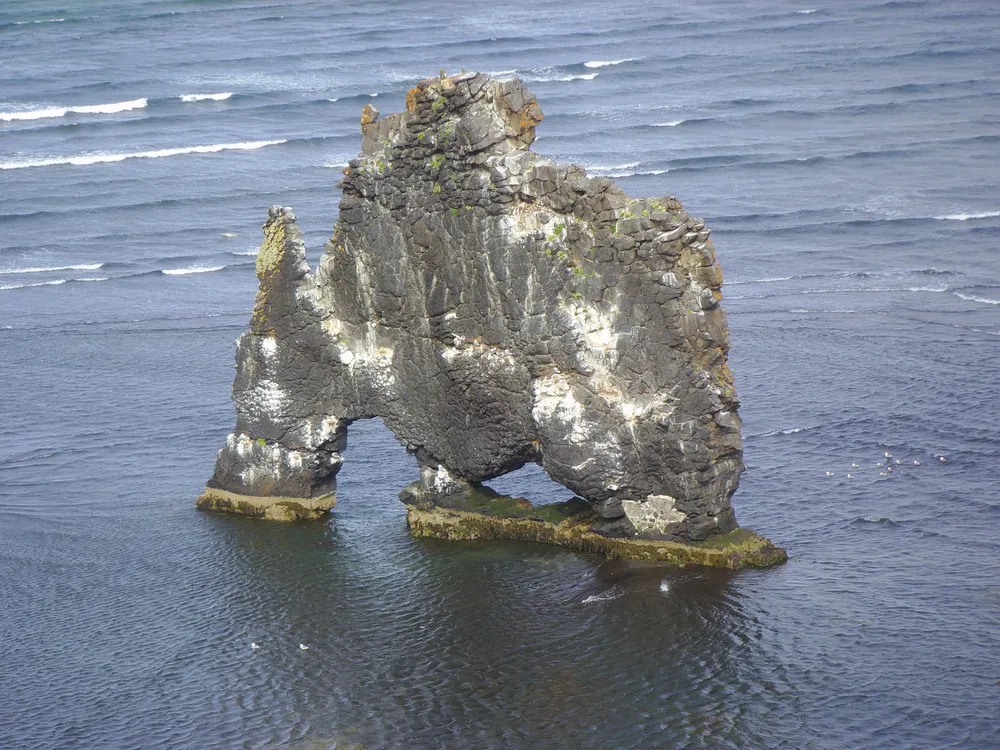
[[493, 308]]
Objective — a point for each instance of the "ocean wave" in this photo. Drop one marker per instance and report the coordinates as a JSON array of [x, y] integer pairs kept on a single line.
[[90, 109], [768, 280], [805, 12], [641, 173], [606, 63], [789, 431], [879, 521], [671, 124], [41, 20], [52, 269], [605, 597], [88, 159], [968, 217], [546, 76], [205, 97], [190, 269], [502, 75], [844, 290], [251, 251], [606, 169], [53, 282], [836, 310], [974, 298]]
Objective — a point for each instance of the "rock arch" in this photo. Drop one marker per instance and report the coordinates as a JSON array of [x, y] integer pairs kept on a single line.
[[493, 308]]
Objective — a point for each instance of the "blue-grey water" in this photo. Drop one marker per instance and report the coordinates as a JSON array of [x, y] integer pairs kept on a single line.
[[847, 155]]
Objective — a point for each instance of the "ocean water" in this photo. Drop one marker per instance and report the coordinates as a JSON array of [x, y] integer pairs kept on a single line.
[[846, 156]]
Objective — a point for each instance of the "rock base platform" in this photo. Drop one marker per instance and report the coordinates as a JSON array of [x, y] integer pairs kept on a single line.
[[272, 508], [741, 548]]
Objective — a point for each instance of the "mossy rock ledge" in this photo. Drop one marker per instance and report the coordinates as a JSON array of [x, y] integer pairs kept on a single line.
[[495, 308], [489, 516]]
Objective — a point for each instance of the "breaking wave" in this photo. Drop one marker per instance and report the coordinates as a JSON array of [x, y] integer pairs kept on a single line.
[[974, 298], [190, 269], [205, 97], [546, 75], [50, 269], [88, 159], [53, 282], [90, 109], [605, 597], [789, 431], [880, 521], [671, 124], [609, 169], [967, 217], [606, 63]]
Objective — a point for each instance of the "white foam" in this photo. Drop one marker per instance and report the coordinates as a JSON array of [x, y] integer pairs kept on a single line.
[[973, 298], [768, 280], [206, 97], [636, 174], [56, 282], [806, 12], [967, 217], [576, 77], [606, 63], [88, 159], [190, 269], [605, 597], [600, 169], [671, 124], [44, 20], [47, 269], [251, 251], [927, 289], [90, 109], [790, 431]]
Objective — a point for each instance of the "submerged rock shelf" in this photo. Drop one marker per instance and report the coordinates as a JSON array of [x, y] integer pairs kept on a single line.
[[495, 308]]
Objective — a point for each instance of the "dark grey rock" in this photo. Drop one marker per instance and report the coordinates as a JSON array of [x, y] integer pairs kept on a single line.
[[494, 308]]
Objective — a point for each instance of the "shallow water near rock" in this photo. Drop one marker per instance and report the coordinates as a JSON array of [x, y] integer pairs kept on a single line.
[[844, 157]]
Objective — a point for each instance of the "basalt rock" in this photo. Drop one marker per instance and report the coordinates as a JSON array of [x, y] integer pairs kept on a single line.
[[494, 308]]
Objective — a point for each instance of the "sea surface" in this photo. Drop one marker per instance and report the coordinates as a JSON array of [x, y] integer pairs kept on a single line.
[[847, 156]]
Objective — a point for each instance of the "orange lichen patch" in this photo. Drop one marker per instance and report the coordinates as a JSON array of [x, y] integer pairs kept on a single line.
[[369, 115], [531, 116], [411, 98]]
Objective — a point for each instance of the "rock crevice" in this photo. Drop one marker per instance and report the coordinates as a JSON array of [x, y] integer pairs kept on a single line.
[[494, 308]]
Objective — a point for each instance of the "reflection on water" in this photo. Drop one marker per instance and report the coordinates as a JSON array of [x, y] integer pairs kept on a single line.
[[429, 643]]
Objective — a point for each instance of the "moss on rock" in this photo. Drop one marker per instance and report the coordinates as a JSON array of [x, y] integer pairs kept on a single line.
[[272, 508], [559, 524]]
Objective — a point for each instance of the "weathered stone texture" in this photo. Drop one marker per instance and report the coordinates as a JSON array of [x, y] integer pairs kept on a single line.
[[494, 308]]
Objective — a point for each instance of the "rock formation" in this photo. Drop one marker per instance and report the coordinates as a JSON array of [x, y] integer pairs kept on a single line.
[[493, 308]]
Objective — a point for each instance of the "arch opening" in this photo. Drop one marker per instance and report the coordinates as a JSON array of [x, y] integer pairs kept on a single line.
[[532, 483]]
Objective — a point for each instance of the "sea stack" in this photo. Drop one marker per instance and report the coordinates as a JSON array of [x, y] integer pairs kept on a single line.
[[495, 308]]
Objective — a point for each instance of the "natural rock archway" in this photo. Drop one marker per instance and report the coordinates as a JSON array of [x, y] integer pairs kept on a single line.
[[493, 308]]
